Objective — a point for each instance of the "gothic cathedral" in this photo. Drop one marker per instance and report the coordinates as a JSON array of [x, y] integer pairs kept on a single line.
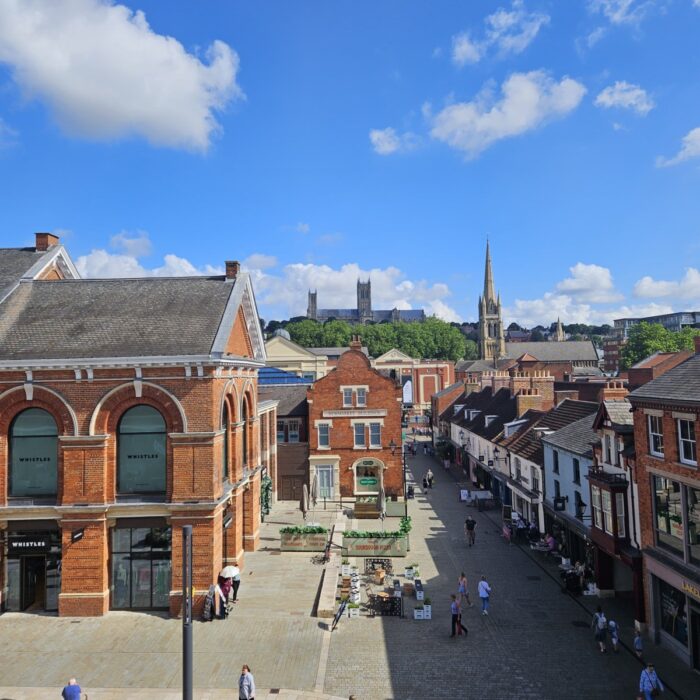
[[492, 344]]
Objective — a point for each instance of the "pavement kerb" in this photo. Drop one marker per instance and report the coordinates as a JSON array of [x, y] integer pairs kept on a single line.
[[28, 693]]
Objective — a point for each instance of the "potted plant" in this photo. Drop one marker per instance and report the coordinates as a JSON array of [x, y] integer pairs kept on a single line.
[[408, 571], [353, 610], [345, 567], [427, 609], [419, 612], [416, 570]]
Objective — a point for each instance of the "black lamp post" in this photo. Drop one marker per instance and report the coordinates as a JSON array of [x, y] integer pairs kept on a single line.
[[392, 447]]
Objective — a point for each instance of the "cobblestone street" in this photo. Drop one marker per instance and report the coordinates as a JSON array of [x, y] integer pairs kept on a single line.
[[536, 643]]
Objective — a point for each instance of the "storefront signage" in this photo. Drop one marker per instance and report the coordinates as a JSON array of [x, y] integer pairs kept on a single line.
[[144, 456], [28, 545], [368, 481], [691, 589], [356, 413], [35, 459]]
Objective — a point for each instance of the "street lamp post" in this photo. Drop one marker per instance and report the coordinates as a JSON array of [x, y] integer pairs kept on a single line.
[[187, 612], [392, 447]]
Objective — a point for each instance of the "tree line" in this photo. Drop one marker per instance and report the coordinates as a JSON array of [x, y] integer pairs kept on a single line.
[[645, 339]]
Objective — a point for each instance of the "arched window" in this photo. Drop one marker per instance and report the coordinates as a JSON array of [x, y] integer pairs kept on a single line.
[[33, 454], [244, 417], [141, 451], [225, 426]]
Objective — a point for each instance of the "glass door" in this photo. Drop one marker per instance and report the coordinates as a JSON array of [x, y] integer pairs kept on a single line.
[[325, 482]]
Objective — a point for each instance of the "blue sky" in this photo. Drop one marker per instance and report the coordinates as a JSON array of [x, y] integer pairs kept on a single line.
[[317, 142]]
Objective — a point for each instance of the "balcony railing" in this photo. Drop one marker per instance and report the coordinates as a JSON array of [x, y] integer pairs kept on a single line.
[[599, 474]]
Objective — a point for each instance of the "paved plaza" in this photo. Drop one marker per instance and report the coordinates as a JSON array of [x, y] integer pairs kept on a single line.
[[536, 643]]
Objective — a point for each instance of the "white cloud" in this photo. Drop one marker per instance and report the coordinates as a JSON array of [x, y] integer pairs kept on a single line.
[[260, 261], [301, 227], [589, 283], [508, 31], [690, 148], [625, 96], [688, 287], [106, 74], [528, 101], [137, 246], [387, 141], [622, 11]]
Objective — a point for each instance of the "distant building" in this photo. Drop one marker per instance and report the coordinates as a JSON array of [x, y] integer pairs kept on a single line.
[[673, 322], [364, 313], [492, 343], [285, 354]]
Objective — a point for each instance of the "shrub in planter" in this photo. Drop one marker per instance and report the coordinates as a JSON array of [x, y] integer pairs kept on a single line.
[[305, 530]]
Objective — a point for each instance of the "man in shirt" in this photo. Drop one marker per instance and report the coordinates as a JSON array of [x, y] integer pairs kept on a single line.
[[71, 691], [484, 594], [469, 530]]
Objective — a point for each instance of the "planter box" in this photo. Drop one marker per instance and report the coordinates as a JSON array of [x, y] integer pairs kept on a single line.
[[408, 573], [427, 612], [353, 612], [303, 543], [418, 614], [375, 546], [345, 569]]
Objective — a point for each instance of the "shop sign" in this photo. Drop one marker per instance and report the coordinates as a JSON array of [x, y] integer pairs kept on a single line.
[[691, 589], [368, 481], [355, 413], [29, 545]]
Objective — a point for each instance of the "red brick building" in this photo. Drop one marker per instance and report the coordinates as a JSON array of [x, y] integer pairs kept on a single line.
[[354, 417], [128, 408], [666, 426]]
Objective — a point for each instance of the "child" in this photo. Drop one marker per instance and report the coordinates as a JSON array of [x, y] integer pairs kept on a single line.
[[614, 635], [638, 644]]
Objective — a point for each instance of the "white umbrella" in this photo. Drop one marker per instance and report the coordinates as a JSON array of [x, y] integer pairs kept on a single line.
[[229, 572], [381, 505], [304, 505], [313, 495]]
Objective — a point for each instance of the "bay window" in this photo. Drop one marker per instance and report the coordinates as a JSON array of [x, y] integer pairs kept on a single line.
[[597, 510], [607, 511], [620, 513]]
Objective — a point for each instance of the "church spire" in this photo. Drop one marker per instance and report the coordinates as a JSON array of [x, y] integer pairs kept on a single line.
[[489, 294]]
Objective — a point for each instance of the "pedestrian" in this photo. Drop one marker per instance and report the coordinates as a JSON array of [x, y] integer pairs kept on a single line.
[[470, 530], [650, 684], [456, 617], [71, 691], [614, 630], [221, 598], [638, 647], [246, 684], [430, 476], [484, 594], [463, 590], [599, 624], [236, 582]]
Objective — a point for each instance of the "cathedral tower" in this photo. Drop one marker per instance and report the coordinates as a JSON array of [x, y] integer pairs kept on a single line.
[[492, 344], [364, 301], [311, 309]]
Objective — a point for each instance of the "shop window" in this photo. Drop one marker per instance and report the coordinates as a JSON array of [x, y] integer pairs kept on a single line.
[[367, 478], [597, 509], [577, 471], [375, 434], [656, 436], [668, 512], [555, 457], [692, 499], [606, 500], [674, 619], [620, 513], [141, 568], [359, 431], [324, 435], [141, 451], [33, 454], [687, 448]]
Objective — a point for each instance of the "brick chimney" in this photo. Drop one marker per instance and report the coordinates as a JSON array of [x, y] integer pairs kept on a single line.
[[527, 399], [543, 384], [44, 241], [356, 343], [615, 389], [233, 267]]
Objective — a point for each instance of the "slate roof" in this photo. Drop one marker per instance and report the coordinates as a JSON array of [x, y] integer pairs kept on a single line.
[[142, 317], [552, 351], [292, 399], [679, 385], [499, 407], [577, 437], [483, 365], [334, 352], [14, 263], [619, 412], [447, 389]]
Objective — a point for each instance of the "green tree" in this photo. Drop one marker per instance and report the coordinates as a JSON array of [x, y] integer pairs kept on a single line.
[[537, 336], [471, 350], [645, 339], [307, 333], [685, 339], [336, 334]]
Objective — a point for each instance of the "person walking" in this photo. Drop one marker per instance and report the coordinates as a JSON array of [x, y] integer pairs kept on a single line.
[[235, 583], [430, 476], [599, 624], [71, 691], [246, 684], [614, 630], [463, 590], [638, 645], [484, 594], [650, 684], [470, 530], [456, 617]]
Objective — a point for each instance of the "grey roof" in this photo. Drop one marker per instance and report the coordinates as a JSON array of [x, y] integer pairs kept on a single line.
[[142, 317], [576, 437], [680, 384], [448, 389], [569, 350], [619, 411], [587, 372], [14, 263], [483, 365], [334, 352], [292, 399]]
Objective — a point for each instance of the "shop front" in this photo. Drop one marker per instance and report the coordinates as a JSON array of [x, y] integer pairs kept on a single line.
[[675, 604], [33, 560], [141, 564]]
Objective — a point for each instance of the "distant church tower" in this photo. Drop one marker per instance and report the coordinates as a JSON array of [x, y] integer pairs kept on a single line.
[[559, 334], [492, 344], [311, 307], [364, 301]]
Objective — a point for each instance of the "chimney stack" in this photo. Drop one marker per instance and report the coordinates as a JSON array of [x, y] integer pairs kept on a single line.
[[44, 241], [233, 267], [356, 343]]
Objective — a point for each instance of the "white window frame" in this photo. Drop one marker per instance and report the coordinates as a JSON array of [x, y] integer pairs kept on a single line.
[[692, 442], [359, 445], [347, 397], [620, 513], [378, 427], [327, 445], [281, 434], [596, 506], [361, 392], [651, 419], [606, 502]]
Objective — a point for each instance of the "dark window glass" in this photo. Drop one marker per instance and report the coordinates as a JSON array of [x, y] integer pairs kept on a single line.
[[141, 450], [577, 471], [693, 521], [33, 454], [674, 620], [669, 513], [224, 456], [555, 456]]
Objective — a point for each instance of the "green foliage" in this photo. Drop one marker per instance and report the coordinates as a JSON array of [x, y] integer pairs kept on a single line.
[[305, 530], [374, 534], [537, 336], [645, 339], [471, 349], [405, 524]]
